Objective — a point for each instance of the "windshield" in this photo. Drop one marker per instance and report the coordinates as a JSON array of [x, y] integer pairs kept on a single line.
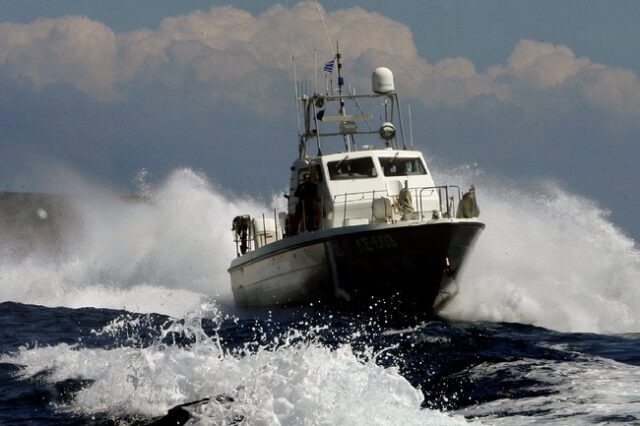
[[357, 168], [395, 166]]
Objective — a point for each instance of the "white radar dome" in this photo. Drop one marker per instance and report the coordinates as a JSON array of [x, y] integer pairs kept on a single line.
[[382, 81]]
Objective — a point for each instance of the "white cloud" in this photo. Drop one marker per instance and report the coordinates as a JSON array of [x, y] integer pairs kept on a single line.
[[223, 44], [455, 81], [613, 88], [543, 64], [71, 49], [555, 71], [224, 48]]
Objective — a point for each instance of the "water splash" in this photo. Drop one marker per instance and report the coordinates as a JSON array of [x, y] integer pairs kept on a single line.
[[549, 258], [166, 252], [293, 380]]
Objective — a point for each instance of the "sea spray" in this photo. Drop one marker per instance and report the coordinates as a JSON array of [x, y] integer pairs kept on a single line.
[[292, 379], [547, 257], [172, 245]]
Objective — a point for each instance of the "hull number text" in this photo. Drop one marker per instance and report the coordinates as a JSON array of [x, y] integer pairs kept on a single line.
[[375, 243]]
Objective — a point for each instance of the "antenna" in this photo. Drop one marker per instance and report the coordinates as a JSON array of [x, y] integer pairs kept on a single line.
[[404, 145], [295, 90], [315, 71], [410, 126], [324, 24]]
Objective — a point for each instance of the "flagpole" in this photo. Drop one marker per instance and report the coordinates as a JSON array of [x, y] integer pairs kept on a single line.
[[346, 138]]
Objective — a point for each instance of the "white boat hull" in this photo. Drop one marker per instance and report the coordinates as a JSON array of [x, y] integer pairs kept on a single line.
[[412, 263]]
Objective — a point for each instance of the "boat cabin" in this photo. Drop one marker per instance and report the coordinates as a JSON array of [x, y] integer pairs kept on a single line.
[[360, 187]]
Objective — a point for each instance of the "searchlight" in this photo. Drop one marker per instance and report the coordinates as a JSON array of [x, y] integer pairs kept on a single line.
[[387, 131]]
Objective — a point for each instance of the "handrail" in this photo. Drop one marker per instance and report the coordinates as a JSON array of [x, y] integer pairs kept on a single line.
[[446, 206], [417, 192], [450, 207]]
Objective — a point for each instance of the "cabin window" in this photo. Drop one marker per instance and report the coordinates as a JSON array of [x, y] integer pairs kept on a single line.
[[356, 168], [397, 166]]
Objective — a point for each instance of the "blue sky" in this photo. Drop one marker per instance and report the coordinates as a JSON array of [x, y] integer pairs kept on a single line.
[[527, 90]]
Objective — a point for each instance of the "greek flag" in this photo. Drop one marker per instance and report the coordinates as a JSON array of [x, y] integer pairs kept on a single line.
[[328, 67]]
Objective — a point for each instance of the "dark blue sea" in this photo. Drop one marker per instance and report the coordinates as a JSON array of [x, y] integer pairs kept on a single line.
[[64, 366], [118, 312]]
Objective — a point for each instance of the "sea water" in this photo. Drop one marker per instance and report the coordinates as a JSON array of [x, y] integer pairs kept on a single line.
[[135, 317]]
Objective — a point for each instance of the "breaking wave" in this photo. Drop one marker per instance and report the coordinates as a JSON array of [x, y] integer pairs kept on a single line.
[[550, 258]]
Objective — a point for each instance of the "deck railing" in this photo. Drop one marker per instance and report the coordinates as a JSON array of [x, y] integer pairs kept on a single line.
[[446, 200], [248, 238]]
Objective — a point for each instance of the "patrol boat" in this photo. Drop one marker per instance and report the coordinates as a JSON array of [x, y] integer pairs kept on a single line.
[[365, 222]]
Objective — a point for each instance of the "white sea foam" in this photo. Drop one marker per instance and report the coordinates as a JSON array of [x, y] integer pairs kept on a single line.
[[590, 391], [293, 384], [550, 258]]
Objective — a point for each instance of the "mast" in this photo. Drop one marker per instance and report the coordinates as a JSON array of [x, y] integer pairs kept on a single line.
[[314, 106], [346, 138], [295, 91]]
